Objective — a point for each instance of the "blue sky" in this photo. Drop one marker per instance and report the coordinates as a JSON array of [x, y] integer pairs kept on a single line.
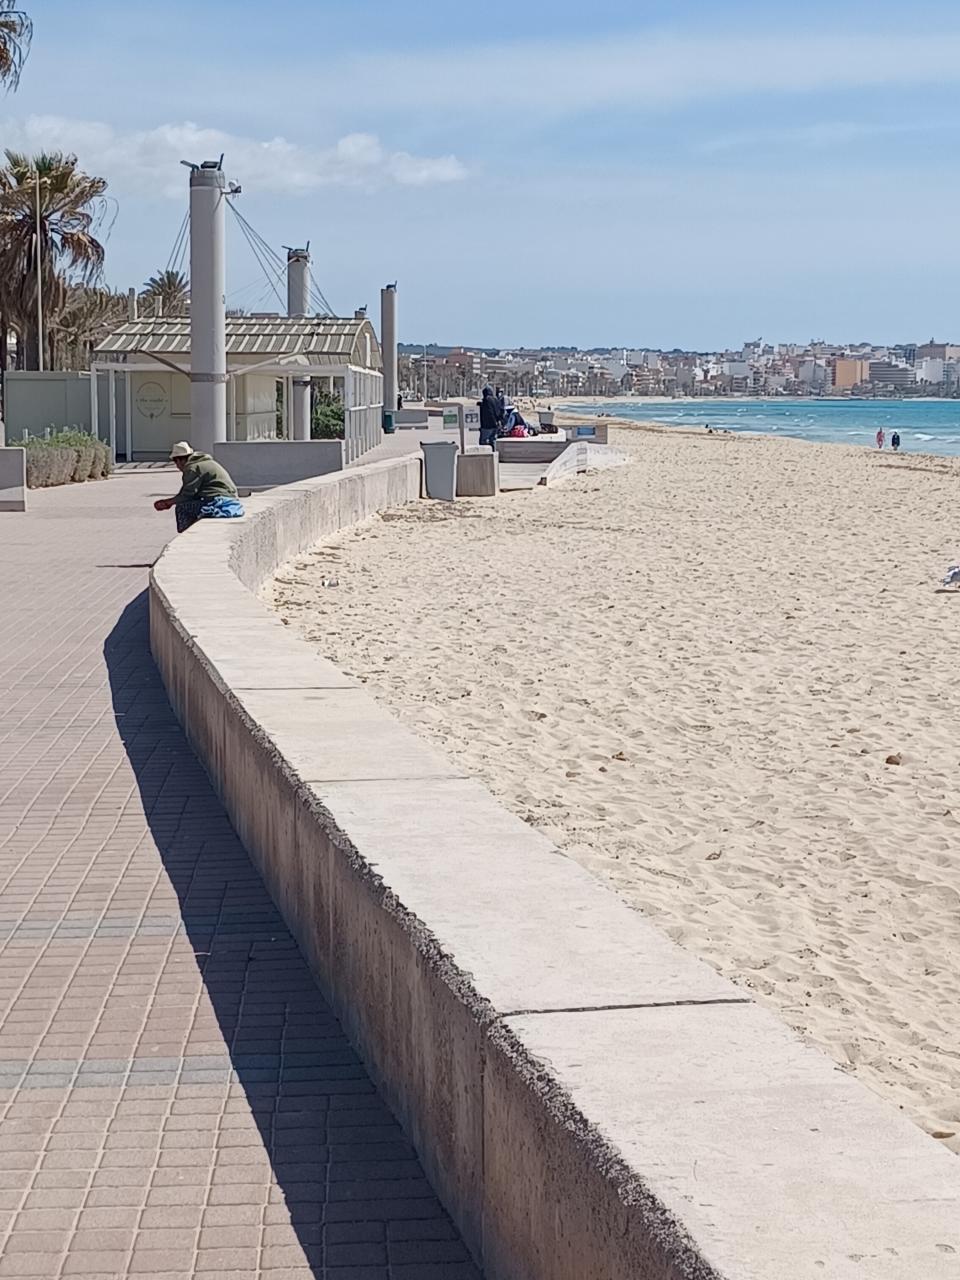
[[651, 174]]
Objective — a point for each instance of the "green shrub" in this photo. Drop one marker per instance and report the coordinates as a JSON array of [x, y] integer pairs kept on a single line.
[[48, 465], [65, 457], [328, 417]]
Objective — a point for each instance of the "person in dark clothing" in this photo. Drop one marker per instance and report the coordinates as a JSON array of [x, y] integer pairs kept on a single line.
[[895, 441], [491, 418], [206, 492], [502, 402]]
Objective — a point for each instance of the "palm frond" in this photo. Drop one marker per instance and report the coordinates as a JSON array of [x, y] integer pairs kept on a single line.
[[16, 31]]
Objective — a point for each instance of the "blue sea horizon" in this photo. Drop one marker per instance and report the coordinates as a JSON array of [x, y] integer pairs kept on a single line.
[[925, 426]]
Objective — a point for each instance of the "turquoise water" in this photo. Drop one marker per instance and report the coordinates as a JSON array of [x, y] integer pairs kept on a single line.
[[925, 426]]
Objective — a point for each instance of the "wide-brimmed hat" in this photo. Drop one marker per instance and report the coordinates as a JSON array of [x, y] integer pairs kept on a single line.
[[181, 449]]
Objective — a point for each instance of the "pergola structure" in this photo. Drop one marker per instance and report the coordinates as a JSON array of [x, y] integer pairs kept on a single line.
[[151, 359]]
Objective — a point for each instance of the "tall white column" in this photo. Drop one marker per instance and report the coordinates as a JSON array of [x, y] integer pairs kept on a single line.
[[298, 304], [112, 383], [208, 321], [128, 416], [388, 344], [94, 401]]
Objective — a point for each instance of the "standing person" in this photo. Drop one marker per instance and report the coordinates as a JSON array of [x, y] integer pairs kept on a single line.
[[895, 442], [207, 492], [880, 437], [491, 418], [502, 403]]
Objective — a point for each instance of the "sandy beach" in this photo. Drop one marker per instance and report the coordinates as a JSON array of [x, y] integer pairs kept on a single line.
[[719, 678]]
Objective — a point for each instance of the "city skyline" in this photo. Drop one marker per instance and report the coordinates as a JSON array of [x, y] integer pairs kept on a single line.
[[657, 170], [757, 368]]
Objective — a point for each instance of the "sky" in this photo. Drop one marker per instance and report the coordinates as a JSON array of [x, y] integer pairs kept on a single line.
[[619, 172]]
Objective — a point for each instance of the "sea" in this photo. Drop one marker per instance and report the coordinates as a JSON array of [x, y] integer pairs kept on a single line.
[[925, 426]]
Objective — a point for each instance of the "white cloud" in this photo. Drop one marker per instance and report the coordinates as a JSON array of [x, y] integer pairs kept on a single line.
[[146, 161]]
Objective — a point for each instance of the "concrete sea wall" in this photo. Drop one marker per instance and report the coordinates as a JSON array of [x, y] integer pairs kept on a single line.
[[262, 463], [13, 479], [591, 1102]]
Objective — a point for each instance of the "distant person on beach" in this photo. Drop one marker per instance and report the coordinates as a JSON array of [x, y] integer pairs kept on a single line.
[[880, 437], [491, 418], [895, 442]]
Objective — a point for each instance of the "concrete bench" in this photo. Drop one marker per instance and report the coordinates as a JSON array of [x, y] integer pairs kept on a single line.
[[13, 479]]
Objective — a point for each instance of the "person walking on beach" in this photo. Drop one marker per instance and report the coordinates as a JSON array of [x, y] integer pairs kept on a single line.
[[491, 418], [895, 442], [880, 437]]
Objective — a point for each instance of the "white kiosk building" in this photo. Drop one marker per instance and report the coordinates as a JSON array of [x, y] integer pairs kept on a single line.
[[147, 365]]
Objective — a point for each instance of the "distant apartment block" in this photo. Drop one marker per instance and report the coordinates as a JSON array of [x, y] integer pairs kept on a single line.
[[885, 374], [849, 372]]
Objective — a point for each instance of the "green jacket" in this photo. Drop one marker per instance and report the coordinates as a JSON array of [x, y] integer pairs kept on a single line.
[[204, 478]]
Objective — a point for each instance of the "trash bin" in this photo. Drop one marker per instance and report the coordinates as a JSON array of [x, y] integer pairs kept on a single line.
[[389, 424], [440, 469]]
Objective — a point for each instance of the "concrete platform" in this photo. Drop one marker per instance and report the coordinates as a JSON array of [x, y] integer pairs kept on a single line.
[[13, 479]]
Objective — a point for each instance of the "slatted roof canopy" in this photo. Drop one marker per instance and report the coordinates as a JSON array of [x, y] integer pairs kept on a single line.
[[322, 339]]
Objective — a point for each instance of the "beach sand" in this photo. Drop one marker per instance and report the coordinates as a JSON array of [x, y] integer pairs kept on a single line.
[[691, 673]]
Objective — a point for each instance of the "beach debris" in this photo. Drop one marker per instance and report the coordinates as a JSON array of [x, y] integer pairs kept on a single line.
[[329, 582], [896, 758], [620, 755], [943, 1133]]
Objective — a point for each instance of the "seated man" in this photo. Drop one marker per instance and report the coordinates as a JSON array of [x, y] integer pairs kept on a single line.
[[207, 492]]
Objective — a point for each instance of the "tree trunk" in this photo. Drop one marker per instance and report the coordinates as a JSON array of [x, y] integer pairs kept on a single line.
[[30, 348]]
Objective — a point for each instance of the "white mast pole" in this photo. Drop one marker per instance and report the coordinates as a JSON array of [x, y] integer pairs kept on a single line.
[[298, 304], [388, 345], [208, 338]]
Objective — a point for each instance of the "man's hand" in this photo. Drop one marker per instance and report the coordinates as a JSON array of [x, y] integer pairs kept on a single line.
[[163, 504]]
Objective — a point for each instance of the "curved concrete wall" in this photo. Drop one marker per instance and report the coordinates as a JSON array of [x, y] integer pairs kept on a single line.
[[591, 1102]]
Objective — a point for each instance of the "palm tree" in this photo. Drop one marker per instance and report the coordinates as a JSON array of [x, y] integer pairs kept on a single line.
[[71, 210], [169, 293], [15, 32], [87, 315]]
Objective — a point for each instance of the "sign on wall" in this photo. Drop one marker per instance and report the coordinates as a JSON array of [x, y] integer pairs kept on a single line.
[[152, 400]]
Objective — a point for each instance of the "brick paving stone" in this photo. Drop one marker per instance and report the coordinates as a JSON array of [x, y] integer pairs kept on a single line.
[[411, 1251], [355, 1255], [176, 1098]]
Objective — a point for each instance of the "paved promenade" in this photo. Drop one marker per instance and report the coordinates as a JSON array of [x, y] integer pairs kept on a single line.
[[176, 1099]]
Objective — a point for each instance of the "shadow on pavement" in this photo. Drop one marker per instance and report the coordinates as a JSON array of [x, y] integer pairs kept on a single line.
[[351, 1183]]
